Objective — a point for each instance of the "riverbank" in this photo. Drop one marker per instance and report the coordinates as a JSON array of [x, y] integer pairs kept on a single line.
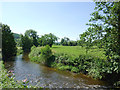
[[7, 79], [40, 75], [74, 59]]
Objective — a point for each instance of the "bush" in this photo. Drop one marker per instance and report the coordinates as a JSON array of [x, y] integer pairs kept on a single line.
[[41, 54], [46, 52], [90, 65], [34, 55]]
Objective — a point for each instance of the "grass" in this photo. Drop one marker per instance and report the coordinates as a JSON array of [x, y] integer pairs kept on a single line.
[[75, 51]]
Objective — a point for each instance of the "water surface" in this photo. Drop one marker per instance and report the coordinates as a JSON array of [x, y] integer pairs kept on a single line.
[[47, 77]]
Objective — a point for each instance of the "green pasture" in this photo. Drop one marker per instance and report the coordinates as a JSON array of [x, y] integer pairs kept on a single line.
[[75, 51]]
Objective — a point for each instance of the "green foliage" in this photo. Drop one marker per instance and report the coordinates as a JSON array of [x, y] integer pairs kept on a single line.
[[75, 69], [26, 43], [67, 42], [41, 54], [46, 52], [32, 34], [72, 43], [33, 47], [93, 66], [64, 41], [9, 82], [17, 39], [93, 63], [19, 51], [8, 43], [104, 30], [47, 39], [34, 55]]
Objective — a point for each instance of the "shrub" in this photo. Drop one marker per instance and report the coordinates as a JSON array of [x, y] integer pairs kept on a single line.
[[46, 52], [34, 55], [41, 54]]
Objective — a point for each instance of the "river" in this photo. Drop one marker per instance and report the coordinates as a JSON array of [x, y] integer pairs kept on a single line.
[[40, 75]]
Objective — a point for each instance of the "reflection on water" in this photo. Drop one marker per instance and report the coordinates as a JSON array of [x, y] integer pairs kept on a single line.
[[43, 76]]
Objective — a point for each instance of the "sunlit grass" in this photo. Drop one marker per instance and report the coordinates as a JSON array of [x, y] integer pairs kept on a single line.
[[78, 50]]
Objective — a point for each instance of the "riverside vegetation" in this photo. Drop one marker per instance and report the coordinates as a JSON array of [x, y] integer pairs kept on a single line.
[[70, 58]]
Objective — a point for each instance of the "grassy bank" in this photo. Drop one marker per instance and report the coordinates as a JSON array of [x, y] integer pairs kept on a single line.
[[75, 59]]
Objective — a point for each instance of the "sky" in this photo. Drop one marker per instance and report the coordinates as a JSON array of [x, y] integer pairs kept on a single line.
[[63, 19]]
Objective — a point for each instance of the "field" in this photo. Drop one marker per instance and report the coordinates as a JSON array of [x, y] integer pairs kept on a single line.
[[75, 51]]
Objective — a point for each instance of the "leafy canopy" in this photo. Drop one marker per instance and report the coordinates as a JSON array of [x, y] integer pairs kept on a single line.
[[104, 26], [47, 39], [8, 43]]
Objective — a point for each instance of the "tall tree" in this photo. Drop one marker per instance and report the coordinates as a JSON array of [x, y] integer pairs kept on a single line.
[[47, 39], [32, 34], [26, 43], [8, 43], [64, 41], [105, 25]]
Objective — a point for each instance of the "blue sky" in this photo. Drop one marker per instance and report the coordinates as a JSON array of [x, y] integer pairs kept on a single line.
[[63, 19]]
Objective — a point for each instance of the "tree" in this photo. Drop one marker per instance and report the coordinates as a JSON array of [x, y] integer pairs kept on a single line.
[[105, 27], [32, 34], [64, 41], [40, 41], [80, 43], [26, 43], [47, 39], [8, 43], [72, 43]]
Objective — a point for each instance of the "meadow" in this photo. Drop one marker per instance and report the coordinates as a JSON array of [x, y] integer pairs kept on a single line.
[[75, 51]]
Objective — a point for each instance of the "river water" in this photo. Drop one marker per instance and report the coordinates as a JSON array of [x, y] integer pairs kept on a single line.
[[40, 75]]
